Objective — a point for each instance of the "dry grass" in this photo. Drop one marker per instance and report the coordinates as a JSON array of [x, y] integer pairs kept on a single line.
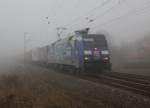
[[26, 91], [35, 88]]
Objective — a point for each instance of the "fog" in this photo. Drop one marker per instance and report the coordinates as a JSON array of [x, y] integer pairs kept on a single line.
[[124, 20], [75, 72]]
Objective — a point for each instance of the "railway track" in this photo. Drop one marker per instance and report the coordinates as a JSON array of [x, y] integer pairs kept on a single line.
[[134, 83]]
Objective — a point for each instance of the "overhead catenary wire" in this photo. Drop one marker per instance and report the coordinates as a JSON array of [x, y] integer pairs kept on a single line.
[[50, 19], [109, 10], [132, 12], [119, 2], [105, 12], [91, 11]]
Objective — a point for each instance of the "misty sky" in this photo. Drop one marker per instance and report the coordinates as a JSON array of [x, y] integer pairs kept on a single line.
[[124, 20]]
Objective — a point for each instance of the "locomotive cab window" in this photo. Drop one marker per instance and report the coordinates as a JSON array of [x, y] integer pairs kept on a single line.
[[95, 42]]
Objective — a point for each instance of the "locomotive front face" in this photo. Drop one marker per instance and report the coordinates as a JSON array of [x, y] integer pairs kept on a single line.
[[96, 52]]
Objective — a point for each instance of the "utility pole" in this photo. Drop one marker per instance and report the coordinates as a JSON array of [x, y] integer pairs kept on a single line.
[[25, 33], [60, 31], [25, 45]]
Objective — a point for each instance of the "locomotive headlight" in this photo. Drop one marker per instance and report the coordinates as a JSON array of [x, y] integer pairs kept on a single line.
[[106, 58], [86, 58], [87, 52]]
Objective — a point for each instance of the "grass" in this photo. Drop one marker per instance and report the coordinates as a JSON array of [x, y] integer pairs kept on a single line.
[[35, 87], [33, 91]]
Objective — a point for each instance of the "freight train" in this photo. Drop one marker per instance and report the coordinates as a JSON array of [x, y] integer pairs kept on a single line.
[[80, 52]]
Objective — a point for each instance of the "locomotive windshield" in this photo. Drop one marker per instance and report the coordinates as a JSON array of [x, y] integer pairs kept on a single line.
[[94, 41]]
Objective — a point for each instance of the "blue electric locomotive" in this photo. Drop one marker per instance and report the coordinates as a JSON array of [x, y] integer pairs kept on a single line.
[[81, 51]]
